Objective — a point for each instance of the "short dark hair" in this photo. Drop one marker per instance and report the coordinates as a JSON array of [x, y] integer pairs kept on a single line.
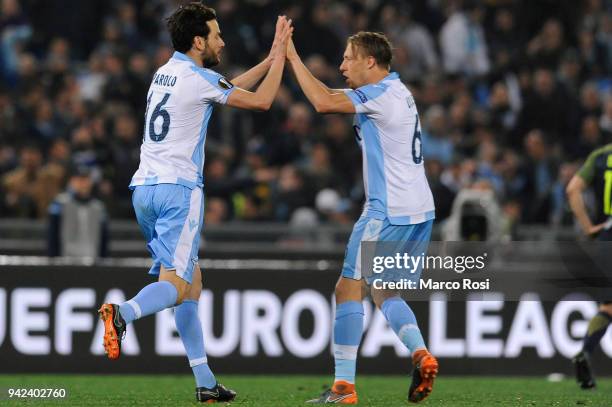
[[189, 21], [377, 45]]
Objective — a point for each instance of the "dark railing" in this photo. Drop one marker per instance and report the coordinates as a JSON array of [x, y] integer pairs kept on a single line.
[[240, 240]]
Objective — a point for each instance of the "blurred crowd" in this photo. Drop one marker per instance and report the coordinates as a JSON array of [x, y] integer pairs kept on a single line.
[[513, 95]]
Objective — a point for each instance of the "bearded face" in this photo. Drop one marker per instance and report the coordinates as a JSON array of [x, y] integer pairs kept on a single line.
[[210, 58], [214, 45]]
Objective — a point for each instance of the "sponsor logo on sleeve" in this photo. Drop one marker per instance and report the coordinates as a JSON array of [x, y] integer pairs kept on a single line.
[[225, 84], [362, 96]]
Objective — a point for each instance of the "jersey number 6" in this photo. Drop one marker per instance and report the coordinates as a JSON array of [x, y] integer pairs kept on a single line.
[[417, 144]]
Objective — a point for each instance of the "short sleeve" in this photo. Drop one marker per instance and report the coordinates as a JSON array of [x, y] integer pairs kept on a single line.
[[368, 98], [587, 172], [214, 87]]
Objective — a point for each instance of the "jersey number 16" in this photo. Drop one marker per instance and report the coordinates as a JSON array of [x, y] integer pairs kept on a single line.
[[158, 112]]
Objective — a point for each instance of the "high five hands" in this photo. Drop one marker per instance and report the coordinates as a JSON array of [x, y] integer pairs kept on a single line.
[[282, 35]]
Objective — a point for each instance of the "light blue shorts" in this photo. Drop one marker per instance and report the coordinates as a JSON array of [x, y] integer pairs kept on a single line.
[[410, 239], [170, 217]]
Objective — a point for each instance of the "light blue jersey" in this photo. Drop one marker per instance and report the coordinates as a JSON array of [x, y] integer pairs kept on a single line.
[[179, 105], [399, 204], [168, 198], [389, 132]]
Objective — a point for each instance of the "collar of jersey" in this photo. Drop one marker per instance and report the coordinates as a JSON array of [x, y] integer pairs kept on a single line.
[[391, 76], [182, 57]]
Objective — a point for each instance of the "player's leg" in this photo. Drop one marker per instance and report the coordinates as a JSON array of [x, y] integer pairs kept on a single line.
[[190, 329], [401, 318], [151, 299], [164, 293], [348, 329], [169, 208], [348, 323], [414, 240], [164, 213], [598, 326]]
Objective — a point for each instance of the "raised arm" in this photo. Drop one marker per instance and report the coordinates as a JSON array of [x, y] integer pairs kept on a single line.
[[250, 78], [323, 99], [264, 96]]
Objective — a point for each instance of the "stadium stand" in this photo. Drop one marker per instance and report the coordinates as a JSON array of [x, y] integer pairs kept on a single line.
[[513, 95]]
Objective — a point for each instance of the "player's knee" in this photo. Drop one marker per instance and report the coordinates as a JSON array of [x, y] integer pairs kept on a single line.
[[347, 291], [380, 296], [340, 292], [181, 293], [195, 290], [181, 287], [377, 298]]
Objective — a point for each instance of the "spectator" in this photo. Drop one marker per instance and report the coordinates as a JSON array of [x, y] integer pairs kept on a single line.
[[314, 34], [15, 31], [561, 212], [118, 87], [291, 192], [23, 187], [84, 151], [590, 103], [525, 66], [462, 41], [514, 179], [46, 125], [605, 122], [546, 48], [436, 142], [593, 54], [503, 115], [590, 138], [604, 36], [570, 72], [125, 153], [443, 195], [318, 168], [487, 167], [344, 150], [223, 185], [139, 76], [8, 159], [546, 108], [540, 170], [54, 173], [93, 79], [415, 52], [216, 211], [331, 207], [78, 224], [294, 141], [504, 41]]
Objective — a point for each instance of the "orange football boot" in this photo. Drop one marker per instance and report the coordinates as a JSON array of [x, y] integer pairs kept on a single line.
[[425, 371], [114, 329]]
